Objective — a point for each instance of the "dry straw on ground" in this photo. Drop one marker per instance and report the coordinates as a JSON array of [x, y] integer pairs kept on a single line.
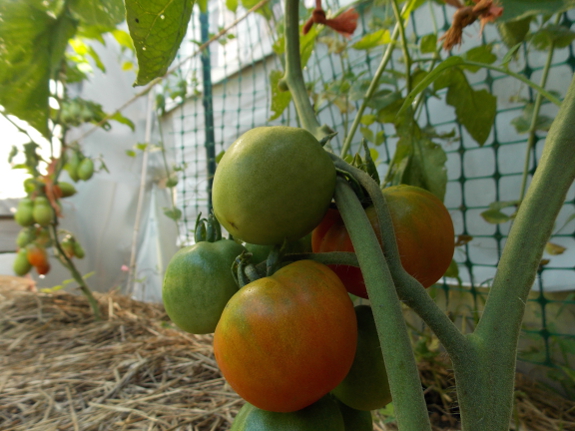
[[60, 370]]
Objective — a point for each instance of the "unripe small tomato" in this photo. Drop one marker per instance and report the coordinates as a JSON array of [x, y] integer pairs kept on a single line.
[[78, 250], [42, 212], [24, 213], [66, 189], [21, 265], [86, 169], [67, 245], [72, 165], [25, 237]]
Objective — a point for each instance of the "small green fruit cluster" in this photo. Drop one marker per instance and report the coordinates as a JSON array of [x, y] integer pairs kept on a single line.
[[79, 167]]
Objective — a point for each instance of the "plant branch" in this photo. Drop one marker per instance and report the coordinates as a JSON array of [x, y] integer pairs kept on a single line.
[[294, 76], [402, 373], [76, 274], [535, 117], [404, 47], [370, 91]]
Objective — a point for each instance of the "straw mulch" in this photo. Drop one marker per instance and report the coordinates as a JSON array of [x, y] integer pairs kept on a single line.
[[60, 370]]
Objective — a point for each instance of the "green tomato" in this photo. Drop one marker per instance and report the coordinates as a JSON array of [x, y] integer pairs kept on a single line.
[[67, 189], [21, 266], [365, 387], [72, 164], [273, 183], [78, 250], [25, 237], [43, 213], [198, 284], [24, 216], [86, 169], [323, 415], [355, 420]]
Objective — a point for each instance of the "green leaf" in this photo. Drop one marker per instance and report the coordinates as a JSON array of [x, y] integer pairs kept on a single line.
[[554, 249], [105, 13], [517, 9], [499, 205], [123, 39], [553, 34], [123, 120], [280, 99], [157, 29], [367, 134], [494, 216], [428, 80], [373, 40], [522, 123], [173, 213], [28, 53], [417, 161], [130, 153], [514, 32], [220, 155], [475, 109], [232, 5], [428, 43], [306, 45], [264, 11], [479, 54], [368, 120]]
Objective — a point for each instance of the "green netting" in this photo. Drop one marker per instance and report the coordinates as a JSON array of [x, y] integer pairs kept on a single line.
[[228, 92]]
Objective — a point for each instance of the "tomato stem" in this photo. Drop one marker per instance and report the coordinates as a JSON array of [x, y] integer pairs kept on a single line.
[[408, 288], [294, 76], [396, 348]]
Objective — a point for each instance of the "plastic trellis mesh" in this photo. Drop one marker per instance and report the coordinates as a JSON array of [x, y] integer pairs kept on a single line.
[[239, 98]]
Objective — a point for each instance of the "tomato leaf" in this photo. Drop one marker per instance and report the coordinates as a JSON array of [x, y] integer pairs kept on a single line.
[[373, 40], [475, 109], [104, 13], [479, 54], [523, 123], [554, 249], [33, 39], [514, 32], [494, 216], [516, 9], [428, 43], [553, 34], [280, 99], [418, 161], [157, 28]]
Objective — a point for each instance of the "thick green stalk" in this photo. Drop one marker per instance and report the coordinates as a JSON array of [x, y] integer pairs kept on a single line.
[[408, 288], [404, 47], [403, 376], [486, 394], [294, 76]]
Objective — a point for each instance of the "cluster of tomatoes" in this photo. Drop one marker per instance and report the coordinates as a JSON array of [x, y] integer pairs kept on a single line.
[[35, 214], [287, 336]]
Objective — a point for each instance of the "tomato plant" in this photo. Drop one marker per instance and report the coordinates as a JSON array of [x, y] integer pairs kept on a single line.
[[198, 283], [272, 184], [423, 230], [285, 341]]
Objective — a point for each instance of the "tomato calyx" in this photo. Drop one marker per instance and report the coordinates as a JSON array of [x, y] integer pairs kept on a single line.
[[207, 229]]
